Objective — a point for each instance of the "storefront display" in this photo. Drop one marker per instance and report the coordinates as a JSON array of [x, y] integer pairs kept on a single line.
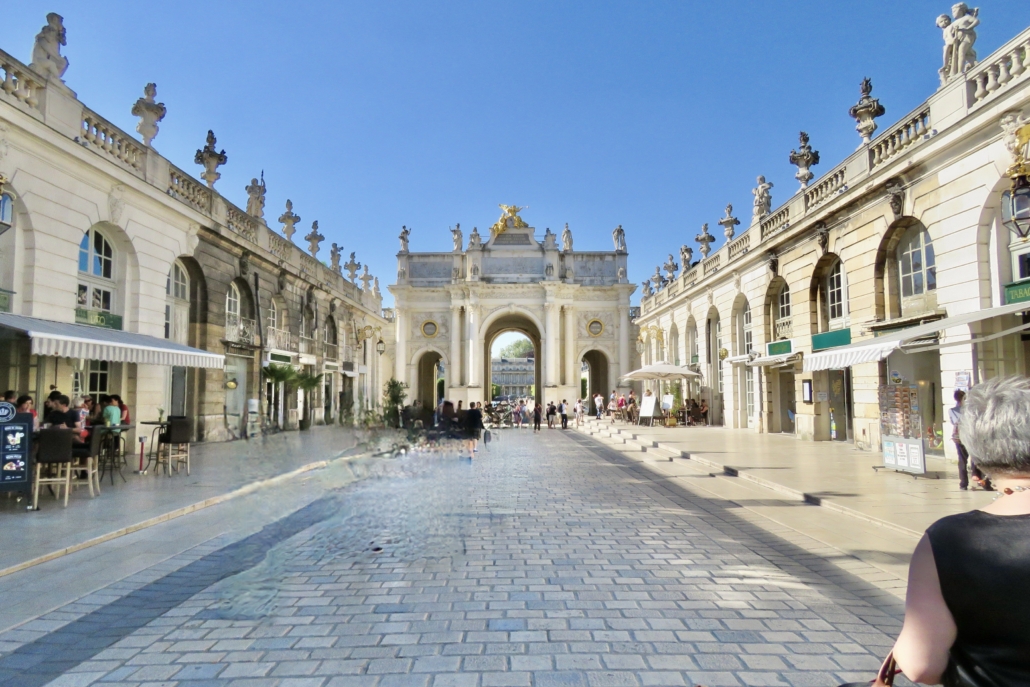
[[901, 423]]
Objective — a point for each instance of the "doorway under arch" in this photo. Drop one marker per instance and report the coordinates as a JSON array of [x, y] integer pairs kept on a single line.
[[597, 373], [427, 389], [512, 322]]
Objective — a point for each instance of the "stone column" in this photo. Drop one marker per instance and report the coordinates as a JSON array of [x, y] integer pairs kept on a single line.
[[623, 341], [571, 376], [551, 352], [454, 367], [401, 362], [472, 325]]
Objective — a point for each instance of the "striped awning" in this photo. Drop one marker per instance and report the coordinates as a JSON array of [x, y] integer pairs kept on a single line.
[[878, 348], [774, 360], [81, 341]]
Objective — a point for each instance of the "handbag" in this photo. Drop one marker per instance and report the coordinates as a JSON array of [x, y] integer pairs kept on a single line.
[[486, 436], [884, 678]]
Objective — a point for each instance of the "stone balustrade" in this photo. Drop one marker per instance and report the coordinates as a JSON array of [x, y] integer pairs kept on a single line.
[[241, 223], [711, 265], [689, 277], [278, 246], [776, 222], [110, 140], [1006, 65], [739, 246], [831, 185], [897, 139], [20, 83], [188, 190]]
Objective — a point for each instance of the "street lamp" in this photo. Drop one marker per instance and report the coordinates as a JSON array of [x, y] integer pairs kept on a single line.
[[1015, 203], [381, 347]]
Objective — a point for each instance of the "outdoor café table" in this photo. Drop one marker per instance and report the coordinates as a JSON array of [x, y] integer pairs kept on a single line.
[[159, 426], [109, 448]]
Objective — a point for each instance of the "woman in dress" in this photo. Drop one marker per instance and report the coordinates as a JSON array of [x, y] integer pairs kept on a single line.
[[967, 608]]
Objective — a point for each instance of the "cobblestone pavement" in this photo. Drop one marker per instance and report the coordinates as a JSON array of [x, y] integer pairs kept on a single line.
[[549, 561]]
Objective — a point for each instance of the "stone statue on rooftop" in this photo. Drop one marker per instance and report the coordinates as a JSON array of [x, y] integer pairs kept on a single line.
[[866, 110], [46, 53], [804, 158], [646, 285], [550, 240], [705, 239], [366, 280], [670, 267], [475, 240], [288, 219], [314, 238], [566, 239], [334, 257], [657, 279], [352, 268], [729, 223], [959, 36], [149, 113], [457, 238], [686, 256], [210, 158], [256, 197], [619, 239], [763, 199], [405, 233], [375, 289]]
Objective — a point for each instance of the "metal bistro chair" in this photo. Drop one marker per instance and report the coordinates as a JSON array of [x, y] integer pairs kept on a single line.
[[176, 443], [90, 454], [54, 447]]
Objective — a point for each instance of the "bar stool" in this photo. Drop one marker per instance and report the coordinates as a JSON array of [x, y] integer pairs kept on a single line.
[[90, 453], [54, 447], [176, 443]]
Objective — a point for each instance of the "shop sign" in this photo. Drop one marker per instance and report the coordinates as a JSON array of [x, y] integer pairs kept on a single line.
[[279, 358], [963, 380], [5, 300], [1017, 292], [98, 318], [779, 347], [838, 337], [904, 455], [15, 449]]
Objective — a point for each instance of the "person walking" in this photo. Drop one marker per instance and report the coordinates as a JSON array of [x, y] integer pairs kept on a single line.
[[563, 410], [955, 415], [473, 426], [550, 415], [516, 415], [967, 607], [537, 410], [599, 405], [578, 411]]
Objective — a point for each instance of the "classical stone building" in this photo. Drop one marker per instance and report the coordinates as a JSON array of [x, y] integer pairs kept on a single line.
[[513, 376], [573, 306], [893, 270], [121, 273]]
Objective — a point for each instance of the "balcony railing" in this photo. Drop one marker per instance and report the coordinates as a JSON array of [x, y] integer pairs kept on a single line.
[[330, 351], [783, 329], [307, 345], [279, 339], [240, 329]]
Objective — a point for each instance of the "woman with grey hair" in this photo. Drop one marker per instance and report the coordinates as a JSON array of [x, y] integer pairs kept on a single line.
[[967, 612]]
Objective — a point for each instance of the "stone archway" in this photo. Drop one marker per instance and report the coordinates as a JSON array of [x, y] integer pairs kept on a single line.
[[513, 322], [427, 372], [597, 373]]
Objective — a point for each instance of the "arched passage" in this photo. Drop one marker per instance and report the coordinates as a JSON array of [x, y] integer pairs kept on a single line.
[[428, 374], [509, 322], [597, 373]]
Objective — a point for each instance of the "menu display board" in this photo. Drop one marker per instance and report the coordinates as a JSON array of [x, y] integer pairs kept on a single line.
[[15, 450], [901, 428]]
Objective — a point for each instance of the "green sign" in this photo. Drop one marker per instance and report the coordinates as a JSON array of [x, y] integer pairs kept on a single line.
[[1017, 292], [279, 358], [694, 359], [839, 337], [98, 318], [779, 347], [5, 300]]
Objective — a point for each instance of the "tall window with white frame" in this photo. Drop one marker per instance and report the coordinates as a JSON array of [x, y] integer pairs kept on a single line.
[[749, 372], [836, 291], [782, 324], [96, 273], [716, 358], [177, 304], [6, 251], [917, 271]]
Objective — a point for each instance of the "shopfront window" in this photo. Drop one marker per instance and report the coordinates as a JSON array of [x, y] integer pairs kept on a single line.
[[96, 273], [98, 378]]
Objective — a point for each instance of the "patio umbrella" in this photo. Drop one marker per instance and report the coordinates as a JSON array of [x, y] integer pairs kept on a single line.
[[661, 371]]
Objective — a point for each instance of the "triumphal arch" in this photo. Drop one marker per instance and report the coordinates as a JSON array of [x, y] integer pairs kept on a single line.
[[450, 306]]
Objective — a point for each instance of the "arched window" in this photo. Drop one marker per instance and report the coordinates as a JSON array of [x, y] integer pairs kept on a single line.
[[916, 265], [782, 323], [6, 212], [6, 252], [177, 304], [833, 298], [749, 372], [748, 339], [273, 315], [96, 273], [232, 305]]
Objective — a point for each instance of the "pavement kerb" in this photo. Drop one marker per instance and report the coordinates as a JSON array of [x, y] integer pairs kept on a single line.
[[605, 433], [179, 512]]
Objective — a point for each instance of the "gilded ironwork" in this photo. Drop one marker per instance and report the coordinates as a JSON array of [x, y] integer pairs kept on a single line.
[[509, 219]]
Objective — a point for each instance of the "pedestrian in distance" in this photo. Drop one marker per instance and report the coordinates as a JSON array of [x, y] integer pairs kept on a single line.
[[563, 410], [551, 411], [704, 411], [612, 407], [578, 410], [599, 405], [955, 415], [473, 427], [537, 410], [967, 605]]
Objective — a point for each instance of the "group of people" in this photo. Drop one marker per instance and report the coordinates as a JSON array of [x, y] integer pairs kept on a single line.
[[467, 423], [80, 414]]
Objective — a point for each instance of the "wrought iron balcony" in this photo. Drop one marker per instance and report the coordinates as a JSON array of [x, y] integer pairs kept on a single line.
[[240, 329], [279, 339]]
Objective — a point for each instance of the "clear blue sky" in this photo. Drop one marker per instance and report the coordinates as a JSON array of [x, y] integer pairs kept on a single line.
[[370, 115]]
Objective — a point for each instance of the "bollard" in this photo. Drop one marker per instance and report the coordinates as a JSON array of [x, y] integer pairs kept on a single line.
[[142, 441]]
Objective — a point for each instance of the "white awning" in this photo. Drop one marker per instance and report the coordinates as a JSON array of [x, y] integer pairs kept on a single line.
[[738, 359], [661, 370], [81, 341], [878, 348], [774, 360]]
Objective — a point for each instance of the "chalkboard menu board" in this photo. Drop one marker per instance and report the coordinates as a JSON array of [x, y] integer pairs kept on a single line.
[[15, 449]]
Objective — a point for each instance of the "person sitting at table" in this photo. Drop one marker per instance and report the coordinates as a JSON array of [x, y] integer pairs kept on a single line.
[[11, 396], [61, 416], [111, 413], [126, 418], [24, 404]]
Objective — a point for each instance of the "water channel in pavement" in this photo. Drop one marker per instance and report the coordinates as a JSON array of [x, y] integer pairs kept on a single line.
[[376, 512]]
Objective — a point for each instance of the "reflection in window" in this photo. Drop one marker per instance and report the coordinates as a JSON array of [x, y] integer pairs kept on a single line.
[[916, 264], [96, 273]]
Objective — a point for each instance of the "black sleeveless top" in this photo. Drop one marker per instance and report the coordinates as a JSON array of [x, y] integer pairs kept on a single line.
[[983, 562]]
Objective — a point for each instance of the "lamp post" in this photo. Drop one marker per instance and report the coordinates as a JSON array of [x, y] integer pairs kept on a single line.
[[1015, 203], [381, 347]]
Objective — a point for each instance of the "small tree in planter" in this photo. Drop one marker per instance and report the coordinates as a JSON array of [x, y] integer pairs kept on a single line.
[[394, 393], [307, 383], [281, 377]]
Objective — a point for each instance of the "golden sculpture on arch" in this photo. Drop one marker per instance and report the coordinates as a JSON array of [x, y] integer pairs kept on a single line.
[[509, 219]]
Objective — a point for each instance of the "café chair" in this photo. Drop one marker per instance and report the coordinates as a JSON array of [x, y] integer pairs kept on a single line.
[[53, 447], [175, 443], [89, 453]]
